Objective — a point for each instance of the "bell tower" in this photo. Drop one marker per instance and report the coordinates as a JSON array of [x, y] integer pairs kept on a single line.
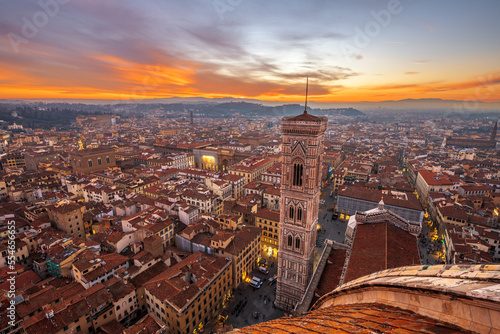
[[303, 137]]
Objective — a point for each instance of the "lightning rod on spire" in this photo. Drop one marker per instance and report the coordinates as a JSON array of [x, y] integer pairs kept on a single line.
[[307, 88]]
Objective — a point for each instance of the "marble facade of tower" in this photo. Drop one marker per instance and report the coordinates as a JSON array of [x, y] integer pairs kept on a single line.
[[303, 137]]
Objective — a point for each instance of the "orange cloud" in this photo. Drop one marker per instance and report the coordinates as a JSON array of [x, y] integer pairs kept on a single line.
[[110, 77]]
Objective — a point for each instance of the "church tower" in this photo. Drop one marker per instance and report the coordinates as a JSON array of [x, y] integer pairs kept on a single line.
[[493, 135], [303, 137]]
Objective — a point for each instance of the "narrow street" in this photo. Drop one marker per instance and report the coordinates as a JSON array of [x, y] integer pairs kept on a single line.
[[250, 305], [428, 246], [329, 228]]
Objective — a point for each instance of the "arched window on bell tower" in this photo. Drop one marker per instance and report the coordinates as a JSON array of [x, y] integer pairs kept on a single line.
[[299, 214], [290, 241], [297, 173], [297, 243], [290, 212]]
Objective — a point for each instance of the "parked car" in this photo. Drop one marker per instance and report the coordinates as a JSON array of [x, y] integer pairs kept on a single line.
[[255, 284], [264, 270]]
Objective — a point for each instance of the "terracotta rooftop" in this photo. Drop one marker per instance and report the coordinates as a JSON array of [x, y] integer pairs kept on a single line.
[[434, 179], [147, 325], [232, 177], [380, 246], [268, 214], [37, 300], [305, 117], [465, 295], [355, 318], [243, 239], [112, 327], [148, 274], [63, 316], [330, 278], [172, 289], [22, 281], [409, 200]]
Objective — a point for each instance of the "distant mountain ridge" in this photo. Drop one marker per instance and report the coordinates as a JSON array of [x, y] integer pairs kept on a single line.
[[407, 104]]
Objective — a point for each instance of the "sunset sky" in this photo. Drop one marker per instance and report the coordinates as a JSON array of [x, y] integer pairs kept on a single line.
[[350, 50]]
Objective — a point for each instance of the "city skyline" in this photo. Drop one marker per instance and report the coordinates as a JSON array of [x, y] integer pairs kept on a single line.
[[351, 51]]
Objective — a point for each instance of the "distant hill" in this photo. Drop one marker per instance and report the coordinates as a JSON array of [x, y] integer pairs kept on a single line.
[[62, 115], [37, 116], [255, 109], [404, 104]]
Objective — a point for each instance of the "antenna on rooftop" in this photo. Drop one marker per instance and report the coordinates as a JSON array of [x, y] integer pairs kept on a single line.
[[307, 89]]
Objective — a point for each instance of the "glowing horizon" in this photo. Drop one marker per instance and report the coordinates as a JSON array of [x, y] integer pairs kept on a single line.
[[351, 51]]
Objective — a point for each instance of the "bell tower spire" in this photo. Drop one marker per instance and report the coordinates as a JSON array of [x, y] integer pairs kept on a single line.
[[303, 137], [307, 89]]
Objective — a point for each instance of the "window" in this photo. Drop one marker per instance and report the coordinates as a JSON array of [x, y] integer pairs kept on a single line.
[[298, 171], [290, 213], [99, 161], [299, 213], [90, 163], [297, 243], [290, 241], [107, 160]]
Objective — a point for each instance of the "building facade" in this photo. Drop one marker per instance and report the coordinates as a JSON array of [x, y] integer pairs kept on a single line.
[[303, 137], [68, 218], [351, 199], [251, 168], [186, 296], [268, 221], [91, 159]]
